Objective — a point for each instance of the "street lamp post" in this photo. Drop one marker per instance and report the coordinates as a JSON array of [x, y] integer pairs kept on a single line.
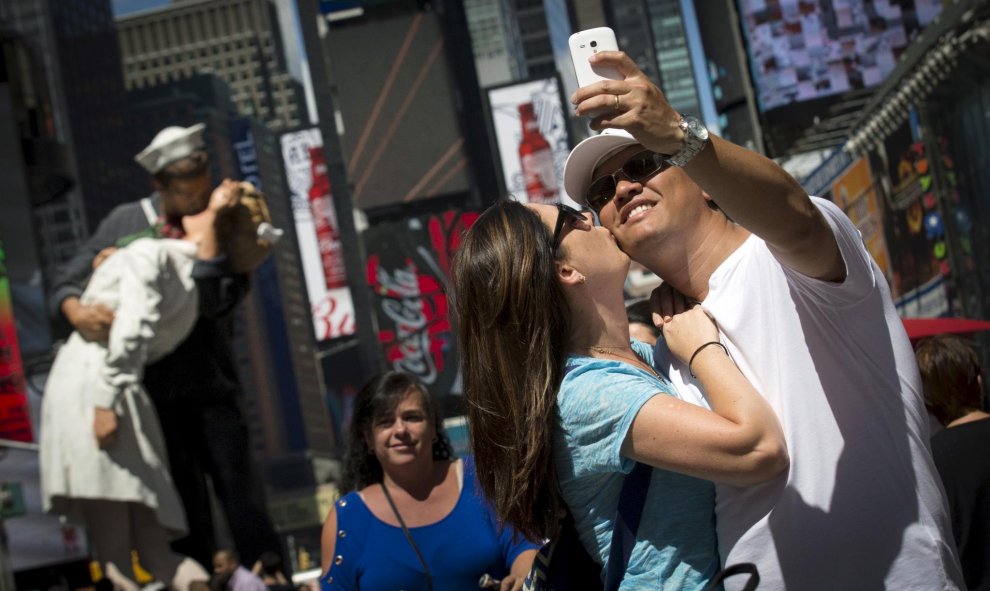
[[354, 258]]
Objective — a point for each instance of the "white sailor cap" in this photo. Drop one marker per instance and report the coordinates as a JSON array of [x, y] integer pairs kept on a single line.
[[171, 144]]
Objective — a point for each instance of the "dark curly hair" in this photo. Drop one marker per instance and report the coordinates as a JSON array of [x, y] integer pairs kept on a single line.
[[379, 397]]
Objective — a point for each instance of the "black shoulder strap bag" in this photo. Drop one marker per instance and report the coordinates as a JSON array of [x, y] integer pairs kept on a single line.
[[564, 565]]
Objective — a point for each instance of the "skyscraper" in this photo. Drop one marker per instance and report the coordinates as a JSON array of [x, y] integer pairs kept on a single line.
[[73, 44], [237, 40], [495, 39], [535, 37], [653, 33]]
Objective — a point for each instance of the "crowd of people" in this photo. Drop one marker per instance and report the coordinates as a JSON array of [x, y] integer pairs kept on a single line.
[[763, 408]]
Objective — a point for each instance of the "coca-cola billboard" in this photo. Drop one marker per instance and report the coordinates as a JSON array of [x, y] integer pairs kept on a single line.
[[531, 133], [318, 234], [408, 271]]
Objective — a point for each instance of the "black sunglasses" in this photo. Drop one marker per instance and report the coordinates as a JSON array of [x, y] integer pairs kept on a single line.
[[639, 168], [564, 213]]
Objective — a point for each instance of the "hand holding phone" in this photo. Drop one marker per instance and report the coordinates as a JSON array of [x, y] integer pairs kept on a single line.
[[583, 45]]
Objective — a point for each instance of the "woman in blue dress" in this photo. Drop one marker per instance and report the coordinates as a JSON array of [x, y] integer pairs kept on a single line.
[[562, 405], [414, 517]]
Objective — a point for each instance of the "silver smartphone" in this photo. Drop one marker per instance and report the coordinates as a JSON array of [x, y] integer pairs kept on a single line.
[[583, 45]]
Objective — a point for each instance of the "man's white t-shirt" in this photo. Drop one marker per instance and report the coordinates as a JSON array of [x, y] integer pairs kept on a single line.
[[861, 506]]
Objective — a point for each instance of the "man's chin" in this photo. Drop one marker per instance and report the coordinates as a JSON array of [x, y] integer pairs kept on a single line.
[[624, 243], [637, 250]]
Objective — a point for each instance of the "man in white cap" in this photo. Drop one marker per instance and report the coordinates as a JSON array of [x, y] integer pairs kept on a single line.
[[195, 388], [806, 314]]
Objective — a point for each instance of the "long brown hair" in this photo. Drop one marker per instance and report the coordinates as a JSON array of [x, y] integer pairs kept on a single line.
[[512, 325]]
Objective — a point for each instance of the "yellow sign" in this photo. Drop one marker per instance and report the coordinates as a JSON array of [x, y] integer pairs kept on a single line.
[[853, 192]]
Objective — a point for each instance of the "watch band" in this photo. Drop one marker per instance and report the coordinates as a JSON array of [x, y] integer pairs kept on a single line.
[[695, 140]]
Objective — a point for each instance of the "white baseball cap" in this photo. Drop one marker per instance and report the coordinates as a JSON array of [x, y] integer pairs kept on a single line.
[[171, 144], [586, 156]]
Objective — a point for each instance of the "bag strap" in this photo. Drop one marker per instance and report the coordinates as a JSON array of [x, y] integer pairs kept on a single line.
[[632, 498], [742, 568], [412, 542]]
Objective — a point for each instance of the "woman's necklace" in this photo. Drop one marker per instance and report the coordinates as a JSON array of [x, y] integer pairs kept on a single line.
[[614, 351]]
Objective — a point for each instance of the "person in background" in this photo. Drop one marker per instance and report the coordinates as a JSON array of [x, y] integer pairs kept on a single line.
[[227, 565], [953, 382], [641, 327], [412, 517], [805, 313], [218, 582], [195, 388], [269, 568], [562, 404], [103, 458]]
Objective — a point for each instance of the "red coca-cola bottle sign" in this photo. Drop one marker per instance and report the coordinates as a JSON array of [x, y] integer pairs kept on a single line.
[[536, 159], [325, 220]]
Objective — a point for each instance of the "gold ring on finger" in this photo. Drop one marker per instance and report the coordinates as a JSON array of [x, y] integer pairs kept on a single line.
[[616, 101]]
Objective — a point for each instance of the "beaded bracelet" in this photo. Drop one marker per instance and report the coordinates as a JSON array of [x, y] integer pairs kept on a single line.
[[698, 350]]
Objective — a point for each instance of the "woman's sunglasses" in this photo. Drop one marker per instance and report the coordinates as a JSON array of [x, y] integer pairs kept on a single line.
[[565, 213], [638, 169]]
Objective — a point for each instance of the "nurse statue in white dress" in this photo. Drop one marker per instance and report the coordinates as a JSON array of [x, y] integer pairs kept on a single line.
[[115, 481]]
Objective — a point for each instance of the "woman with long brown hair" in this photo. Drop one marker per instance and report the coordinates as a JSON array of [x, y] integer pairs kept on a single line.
[[561, 404]]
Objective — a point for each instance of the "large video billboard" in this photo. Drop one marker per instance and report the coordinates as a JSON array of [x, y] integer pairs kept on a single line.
[[318, 234], [807, 55], [395, 92], [803, 49]]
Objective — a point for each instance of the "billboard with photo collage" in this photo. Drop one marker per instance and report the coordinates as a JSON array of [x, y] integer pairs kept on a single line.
[[805, 55], [530, 129]]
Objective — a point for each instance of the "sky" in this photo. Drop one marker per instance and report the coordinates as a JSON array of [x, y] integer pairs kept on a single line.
[[125, 7]]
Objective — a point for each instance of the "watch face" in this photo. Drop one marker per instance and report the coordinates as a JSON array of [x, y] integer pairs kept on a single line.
[[696, 129]]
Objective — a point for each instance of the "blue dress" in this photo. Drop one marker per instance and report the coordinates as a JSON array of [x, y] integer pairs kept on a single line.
[[374, 556]]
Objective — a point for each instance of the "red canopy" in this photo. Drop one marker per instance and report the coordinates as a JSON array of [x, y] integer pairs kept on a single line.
[[919, 328]]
